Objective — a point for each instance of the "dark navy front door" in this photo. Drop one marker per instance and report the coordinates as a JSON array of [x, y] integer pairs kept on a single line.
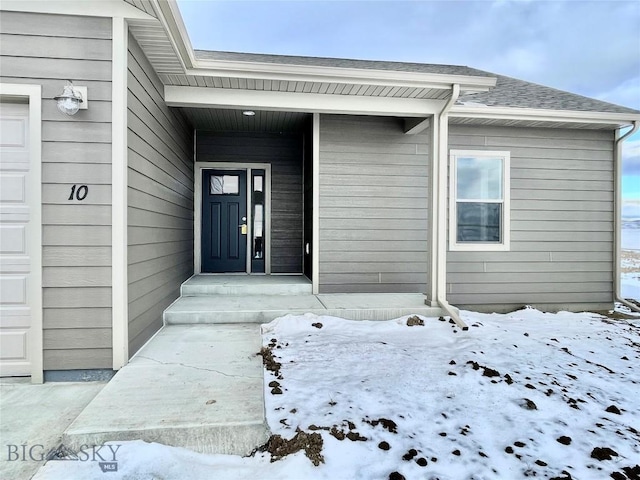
[[224, 221]]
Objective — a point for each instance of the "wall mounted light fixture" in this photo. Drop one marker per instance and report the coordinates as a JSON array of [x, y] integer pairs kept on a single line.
[[72, 99]]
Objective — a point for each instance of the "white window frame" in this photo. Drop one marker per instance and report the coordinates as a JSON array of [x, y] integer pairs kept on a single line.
[[503, 246]]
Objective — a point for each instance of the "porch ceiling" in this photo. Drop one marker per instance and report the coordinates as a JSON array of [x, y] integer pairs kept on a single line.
[[233, 120]]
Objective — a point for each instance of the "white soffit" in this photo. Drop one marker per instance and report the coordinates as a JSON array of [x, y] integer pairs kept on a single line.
[[331, 88], [144, 5], [157, 46]]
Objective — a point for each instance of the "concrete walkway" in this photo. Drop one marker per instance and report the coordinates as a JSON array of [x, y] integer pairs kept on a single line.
[[36, 416], [193, 386]]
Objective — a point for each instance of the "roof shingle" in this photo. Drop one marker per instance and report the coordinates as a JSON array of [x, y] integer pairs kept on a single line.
[[508, 92]]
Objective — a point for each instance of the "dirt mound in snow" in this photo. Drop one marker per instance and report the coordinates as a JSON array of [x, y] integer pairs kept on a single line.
[[280, 447], [269, 361]]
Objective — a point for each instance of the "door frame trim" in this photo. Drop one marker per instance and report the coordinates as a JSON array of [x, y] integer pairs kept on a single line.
[[197, 210], [33, 95]]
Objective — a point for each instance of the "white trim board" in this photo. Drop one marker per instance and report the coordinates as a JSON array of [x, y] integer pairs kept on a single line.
[[541, 115], [33, 94], [178, 96], [197, 209], [119, 200]]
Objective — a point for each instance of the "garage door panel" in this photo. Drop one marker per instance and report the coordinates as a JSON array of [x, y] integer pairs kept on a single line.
[[12, 188], [13, 239], [13, 290], [15, 228], [13, 343]]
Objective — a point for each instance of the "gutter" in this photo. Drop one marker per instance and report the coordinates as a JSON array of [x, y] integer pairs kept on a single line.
[[542, 115], [617, 225], [439, 207]]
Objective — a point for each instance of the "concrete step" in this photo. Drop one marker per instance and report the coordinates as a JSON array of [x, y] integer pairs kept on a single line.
[[204, 285], [193, 386], [264, 308]]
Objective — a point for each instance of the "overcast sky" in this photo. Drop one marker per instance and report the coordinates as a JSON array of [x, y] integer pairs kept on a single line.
[[586, 47]]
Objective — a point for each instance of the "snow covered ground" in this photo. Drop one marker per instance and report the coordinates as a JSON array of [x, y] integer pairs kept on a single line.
[[630, 287], [527, 394]]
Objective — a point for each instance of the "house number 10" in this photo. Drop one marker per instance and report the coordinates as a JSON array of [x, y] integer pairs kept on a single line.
[[78, 192]]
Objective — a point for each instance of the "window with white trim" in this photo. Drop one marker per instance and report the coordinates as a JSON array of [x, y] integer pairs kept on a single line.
[[479, 203]]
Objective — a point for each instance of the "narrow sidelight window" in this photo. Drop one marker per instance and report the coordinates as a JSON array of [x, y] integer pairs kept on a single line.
[[258, 226], [479, 200]]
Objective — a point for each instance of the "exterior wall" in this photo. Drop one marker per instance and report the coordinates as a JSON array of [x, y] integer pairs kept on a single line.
[[561, 223], [284, 153], [47, 50], [160, 199], [373, 206]]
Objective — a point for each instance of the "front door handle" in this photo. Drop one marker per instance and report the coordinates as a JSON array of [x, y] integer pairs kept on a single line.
[[243, 228]]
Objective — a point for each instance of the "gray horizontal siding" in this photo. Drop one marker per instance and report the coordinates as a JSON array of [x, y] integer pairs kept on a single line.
[[160, 200], [47, 50], [284, 153], [561, 223], [373, 206]]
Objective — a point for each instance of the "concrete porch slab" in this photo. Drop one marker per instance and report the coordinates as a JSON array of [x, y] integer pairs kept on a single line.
[[246, 285], [264, 308], [376, 306], [239, 309], [371, 300], [193, 386]]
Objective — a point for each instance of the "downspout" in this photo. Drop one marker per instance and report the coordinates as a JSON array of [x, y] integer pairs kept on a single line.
[[440, 206], [617, 226]]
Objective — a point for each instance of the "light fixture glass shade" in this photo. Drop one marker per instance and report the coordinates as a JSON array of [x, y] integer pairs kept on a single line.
[[69, 100]]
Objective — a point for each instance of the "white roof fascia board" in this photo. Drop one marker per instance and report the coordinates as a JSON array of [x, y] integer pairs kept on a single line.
[[539, 114], [170, 17], [101, 8], [204, 97], [312, 73]]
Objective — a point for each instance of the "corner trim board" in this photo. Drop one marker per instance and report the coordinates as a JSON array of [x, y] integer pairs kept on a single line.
[[119, 166]]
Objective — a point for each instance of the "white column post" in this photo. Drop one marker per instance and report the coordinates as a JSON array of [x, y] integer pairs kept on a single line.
[[119, 282]]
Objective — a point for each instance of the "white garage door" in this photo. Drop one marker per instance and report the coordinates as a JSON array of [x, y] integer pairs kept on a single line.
[[15, 262]]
